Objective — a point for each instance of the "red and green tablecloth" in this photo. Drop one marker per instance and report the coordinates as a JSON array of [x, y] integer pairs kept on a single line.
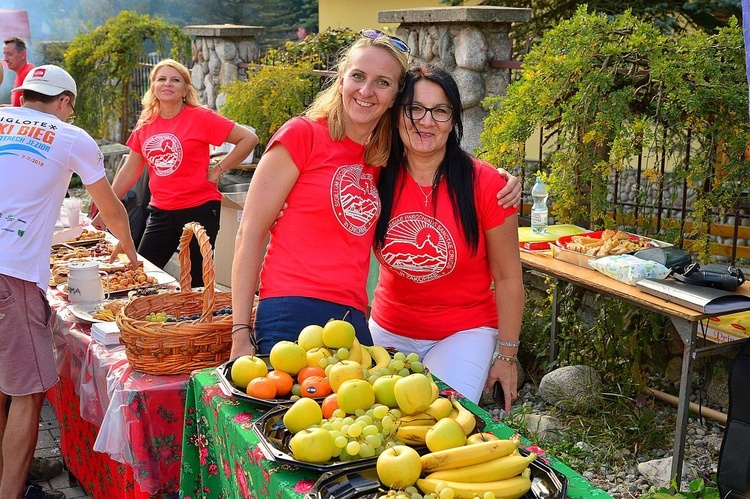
[[221, 457]]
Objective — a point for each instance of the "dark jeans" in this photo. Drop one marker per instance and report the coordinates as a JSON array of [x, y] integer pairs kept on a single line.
[[164, 229], [279, 319]]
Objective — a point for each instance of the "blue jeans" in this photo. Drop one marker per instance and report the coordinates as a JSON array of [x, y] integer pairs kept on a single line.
[[278, 319]]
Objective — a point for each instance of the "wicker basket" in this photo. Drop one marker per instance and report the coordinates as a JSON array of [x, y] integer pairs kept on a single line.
[[179, 347]]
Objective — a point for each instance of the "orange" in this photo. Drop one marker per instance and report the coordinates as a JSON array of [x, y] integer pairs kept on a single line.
[[262, 388], [314, 387], [308, 371], [329, 405], [283, 380]]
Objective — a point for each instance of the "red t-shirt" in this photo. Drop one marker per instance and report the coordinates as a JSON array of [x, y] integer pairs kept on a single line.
[[430, 284], [321, 246], [15, 97], [177, 153]]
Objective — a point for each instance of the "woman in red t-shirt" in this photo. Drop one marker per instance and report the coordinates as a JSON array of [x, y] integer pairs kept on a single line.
[[442, 241], [173, 136]]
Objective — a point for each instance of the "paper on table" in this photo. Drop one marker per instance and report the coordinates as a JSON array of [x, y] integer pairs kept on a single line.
[[700, 298]]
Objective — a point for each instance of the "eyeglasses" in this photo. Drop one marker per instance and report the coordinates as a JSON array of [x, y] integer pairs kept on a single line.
[[395, 41], [440, 114], [72, 116]]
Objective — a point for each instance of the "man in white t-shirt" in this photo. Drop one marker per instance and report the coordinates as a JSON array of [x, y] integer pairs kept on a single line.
[[40, 152]]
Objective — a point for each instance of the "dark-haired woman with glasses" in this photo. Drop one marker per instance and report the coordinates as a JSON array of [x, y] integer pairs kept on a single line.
[[325, 165], [442, 241]]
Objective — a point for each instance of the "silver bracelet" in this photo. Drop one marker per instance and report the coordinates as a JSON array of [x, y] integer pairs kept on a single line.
[[509, 344]]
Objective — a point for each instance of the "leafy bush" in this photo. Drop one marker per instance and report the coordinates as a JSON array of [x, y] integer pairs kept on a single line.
[[270, 97], [321, 50], [286, 84], [605, 90]]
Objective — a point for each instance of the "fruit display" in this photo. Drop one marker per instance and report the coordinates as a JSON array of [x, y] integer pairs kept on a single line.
[[383, 408]]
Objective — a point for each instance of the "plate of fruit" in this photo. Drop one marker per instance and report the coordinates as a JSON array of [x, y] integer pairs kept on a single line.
[[400, 467], [362, 419], [298, 369]]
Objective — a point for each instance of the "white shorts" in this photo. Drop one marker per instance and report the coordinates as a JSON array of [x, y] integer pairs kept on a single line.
[[462, 360]]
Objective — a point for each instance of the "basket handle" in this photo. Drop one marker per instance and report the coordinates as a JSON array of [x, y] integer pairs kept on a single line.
[[209, 297]]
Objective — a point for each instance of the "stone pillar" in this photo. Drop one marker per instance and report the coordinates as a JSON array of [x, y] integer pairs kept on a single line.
[[471, 42], [220, 56]]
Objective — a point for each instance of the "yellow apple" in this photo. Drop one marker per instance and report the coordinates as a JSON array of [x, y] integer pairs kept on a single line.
[[413, 393], [383, 387], [288, 356], [246, 368], [304, 413], [343, 370], [312, 446], [399, 467], [478, 438], [338, 334], [355, 394], [315, 354], [310, 337], [445, 434]]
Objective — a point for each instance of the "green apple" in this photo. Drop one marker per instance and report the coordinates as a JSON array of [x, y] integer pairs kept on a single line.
[[312, 446], [445, 434], [246, 368], [288, 356], [478, 438], [355, 394], [310, 337], [413, 393], [343, 370], [399, 467], [383, 387], [315, 354], [338, 334], [304, 413]]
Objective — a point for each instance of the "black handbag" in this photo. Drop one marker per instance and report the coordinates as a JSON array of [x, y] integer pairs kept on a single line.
[[713, 276], [674, 259]]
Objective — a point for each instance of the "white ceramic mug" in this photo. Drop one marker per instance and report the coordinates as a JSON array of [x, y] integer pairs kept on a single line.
[[84, 282]]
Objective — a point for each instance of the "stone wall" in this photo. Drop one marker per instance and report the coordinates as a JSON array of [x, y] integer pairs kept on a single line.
[[472, 43], [220, 56]]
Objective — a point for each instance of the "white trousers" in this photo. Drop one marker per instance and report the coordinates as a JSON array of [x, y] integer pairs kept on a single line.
[[462, 360]]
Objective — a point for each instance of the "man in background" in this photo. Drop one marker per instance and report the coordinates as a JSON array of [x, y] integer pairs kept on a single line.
[[14, 52]]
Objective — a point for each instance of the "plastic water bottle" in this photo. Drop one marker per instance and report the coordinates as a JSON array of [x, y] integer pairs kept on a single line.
[[539, 212]]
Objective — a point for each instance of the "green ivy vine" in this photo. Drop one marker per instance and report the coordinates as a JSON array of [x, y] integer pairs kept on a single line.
[[103, 62]]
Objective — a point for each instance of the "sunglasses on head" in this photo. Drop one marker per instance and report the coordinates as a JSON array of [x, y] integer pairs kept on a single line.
[[395, 41]]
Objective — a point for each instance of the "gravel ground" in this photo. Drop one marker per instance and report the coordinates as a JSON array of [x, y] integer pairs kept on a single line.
[[622, 479]]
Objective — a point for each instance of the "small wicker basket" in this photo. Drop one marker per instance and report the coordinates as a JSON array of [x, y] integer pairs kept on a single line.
[[164, 348]]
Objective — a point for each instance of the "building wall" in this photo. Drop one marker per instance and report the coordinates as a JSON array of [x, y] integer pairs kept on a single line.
[[360, 14]]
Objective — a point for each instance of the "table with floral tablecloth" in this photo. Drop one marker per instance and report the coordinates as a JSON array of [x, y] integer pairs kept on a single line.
[[120, 430], [221, 456]]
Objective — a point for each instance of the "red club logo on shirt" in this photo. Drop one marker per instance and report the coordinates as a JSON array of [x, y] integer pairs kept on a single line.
[[418, 247], [355, 199], [163, 152]]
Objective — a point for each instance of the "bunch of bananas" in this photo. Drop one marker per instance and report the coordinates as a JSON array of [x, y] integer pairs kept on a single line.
[[412, 428], [374, 357], [494, 466]]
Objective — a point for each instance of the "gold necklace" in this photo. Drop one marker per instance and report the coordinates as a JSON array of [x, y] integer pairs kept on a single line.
[[426, 196]]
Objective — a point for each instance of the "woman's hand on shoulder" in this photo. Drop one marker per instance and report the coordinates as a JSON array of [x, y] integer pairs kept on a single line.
[[510, 195]]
